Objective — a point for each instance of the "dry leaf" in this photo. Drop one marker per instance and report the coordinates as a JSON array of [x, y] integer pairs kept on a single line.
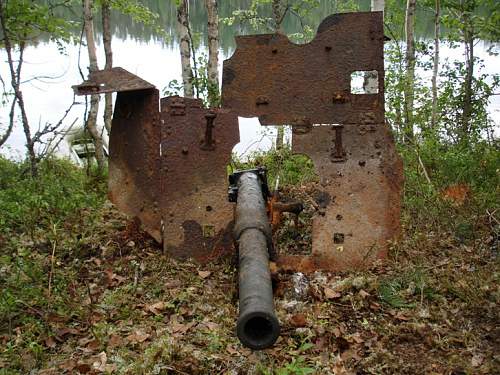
[[115, 341], [363, 293], [298, 320], [138, 337], [157, 307], [100, 362], [181, 328], [93, 345], [204, 274], [477, 360], [331, 294], [231, 350], [50, 342]]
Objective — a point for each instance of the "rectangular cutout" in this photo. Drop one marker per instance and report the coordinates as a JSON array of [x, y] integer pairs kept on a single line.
[[364, 82]]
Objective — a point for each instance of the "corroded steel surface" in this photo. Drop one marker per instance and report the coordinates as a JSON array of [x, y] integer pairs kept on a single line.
[[358, 199], [344, 132], [111, 80], [284, 83], [169, 169], [168, 166], [196, 150], [134, 158], [134, 143]]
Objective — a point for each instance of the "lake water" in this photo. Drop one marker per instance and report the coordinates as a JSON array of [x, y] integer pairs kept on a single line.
[[137, 50]]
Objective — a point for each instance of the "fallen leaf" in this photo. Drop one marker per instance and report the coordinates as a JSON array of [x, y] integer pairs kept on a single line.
[[138, 337], [68, 365], [331, 294], [337, 332], [231, 350], [204, 274], [100, 362], [298, 320], [273, 268], [93, 345], [157, 307], [50, 342], [477, 360], [115, 341], [83, 368], [363, 293], [357, 338], [181, 328]]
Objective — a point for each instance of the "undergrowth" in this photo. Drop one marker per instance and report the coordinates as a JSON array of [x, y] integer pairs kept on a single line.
[[78, 280]]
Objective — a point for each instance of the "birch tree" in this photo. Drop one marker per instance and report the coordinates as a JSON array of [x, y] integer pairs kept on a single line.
[[213, 52], [409, 90], [185, 44], [91, 121], [435, 67], [108, 52], [21, 22]]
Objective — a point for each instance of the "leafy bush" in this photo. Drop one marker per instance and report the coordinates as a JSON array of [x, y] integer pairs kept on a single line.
[[58, 194], [292, 169]]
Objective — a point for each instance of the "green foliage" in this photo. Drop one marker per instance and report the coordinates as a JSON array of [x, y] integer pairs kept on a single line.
[[203, 87], [259, 16], [30, 204], [27, 20], [404, 290], [450, 102], [292, 169], [139, 14]]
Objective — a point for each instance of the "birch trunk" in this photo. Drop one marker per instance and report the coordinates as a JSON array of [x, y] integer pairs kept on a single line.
[[108, 52], [370, 83], [94, 99], [185, 47], [213, 52], [410, 69], [278, 18], [435, 69], [469, 72], [377, 5]]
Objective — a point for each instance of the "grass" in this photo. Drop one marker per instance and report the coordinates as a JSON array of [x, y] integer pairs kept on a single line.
[[116, 304]]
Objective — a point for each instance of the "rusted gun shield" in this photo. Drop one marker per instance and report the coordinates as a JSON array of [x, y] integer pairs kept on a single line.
[[134, 143], [195, 153], [344, 133], [169, 168]]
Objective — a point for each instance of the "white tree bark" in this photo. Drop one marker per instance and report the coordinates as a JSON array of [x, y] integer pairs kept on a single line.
[[435, 69], [94, 99], [377, 5], [410, 68], [370, 84], [213, 52], [185, 47], [106, 39]]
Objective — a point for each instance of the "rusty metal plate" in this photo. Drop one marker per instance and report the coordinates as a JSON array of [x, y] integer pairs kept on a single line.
[[111, 80], [195, 153], [134, 158], [134, 144], [358, 198], [342, 131], [284, 83]]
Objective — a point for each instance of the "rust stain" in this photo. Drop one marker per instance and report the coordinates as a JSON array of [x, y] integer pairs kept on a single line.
[[168, 158], [344, 133], [196, 150], [281, 82]]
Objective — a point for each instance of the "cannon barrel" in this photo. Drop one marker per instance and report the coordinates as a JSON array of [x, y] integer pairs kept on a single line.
[[257, 326]]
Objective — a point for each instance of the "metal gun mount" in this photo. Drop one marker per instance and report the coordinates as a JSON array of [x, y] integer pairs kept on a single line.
[[158, 146]]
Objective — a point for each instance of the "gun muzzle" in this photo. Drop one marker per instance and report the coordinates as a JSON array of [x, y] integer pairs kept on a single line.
[[257, 326]]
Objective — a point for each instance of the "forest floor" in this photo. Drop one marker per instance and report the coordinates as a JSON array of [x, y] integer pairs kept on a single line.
[[432, 307]]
